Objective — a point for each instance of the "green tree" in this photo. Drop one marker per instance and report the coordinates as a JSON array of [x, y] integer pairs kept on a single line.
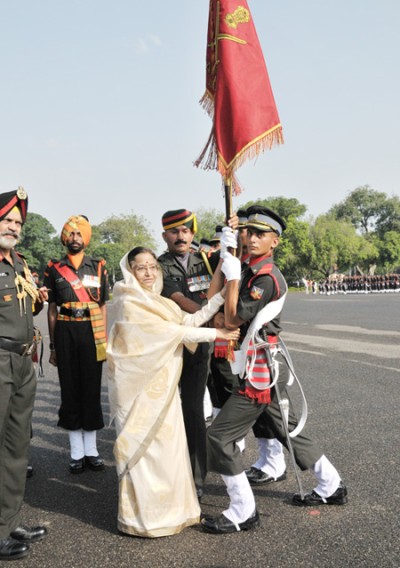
[[112, 254], [127, 230], [286, 207], [362, 207], [38, 243], [337, 246], [389, 251], [207, 220], [117, 235], [389, 217], [295, 251]]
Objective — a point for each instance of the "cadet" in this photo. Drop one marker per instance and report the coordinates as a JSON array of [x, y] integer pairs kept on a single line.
[[258, 291]]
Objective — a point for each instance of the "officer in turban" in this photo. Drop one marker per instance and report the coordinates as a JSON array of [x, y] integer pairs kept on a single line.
[[78, 291], [20, 299]]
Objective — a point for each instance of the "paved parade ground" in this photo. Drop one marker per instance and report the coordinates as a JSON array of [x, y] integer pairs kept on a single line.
[[346, 350]]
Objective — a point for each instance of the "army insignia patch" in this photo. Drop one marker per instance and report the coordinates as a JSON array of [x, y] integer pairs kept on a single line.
[[21, 193], [256, 293]]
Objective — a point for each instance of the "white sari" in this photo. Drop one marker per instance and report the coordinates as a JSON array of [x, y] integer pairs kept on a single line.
[[157, 495]]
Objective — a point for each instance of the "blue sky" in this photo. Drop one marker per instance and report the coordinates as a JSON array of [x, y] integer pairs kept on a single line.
[[99, 108]]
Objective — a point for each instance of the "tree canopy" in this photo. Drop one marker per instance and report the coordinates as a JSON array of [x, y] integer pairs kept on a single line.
[[38, 242]]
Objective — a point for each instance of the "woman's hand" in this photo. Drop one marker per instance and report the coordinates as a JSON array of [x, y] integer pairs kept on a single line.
[[228, 334]]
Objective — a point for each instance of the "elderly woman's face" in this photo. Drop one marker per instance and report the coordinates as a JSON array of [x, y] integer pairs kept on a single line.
[[145, 268]]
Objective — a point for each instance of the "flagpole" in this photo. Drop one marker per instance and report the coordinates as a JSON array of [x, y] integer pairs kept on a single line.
[[228, 197]]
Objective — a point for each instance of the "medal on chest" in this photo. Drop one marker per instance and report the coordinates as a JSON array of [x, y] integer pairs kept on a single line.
[[198, 283]]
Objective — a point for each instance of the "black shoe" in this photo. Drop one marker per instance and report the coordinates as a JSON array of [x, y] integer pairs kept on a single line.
[[29, 471], [77, 466], [255, 476], [94, 462], [11, 549], [28, 535], [222, 525], [314, 500]]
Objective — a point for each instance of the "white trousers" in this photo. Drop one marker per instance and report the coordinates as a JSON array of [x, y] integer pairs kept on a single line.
[[242, 503], [327, 476], [271, 460], [82, 443]]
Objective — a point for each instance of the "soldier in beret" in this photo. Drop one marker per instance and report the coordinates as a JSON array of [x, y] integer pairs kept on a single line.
[[20, 299], [78, 291]]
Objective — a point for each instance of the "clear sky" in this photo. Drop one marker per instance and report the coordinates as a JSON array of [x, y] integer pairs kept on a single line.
[[99, 108]]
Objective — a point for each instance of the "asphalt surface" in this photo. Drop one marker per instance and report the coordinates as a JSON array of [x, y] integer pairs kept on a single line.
[[346, 351]]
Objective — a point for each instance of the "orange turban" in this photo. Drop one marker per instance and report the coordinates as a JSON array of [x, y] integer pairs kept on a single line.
[[77, 223]]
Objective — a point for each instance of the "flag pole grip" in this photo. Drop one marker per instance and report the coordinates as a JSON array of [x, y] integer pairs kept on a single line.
[[228, 205], [228, 197]]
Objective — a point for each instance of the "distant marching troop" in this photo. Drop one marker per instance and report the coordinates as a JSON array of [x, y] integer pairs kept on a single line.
[[364, 284]]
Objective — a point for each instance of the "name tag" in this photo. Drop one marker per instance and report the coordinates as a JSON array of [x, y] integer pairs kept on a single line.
[[197, 283], [90, 281]]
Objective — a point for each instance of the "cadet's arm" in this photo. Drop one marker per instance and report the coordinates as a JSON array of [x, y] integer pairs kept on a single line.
[[232, 321]]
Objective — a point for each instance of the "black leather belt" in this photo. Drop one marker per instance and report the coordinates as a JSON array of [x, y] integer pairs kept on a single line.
[[75, 312], [24, 349]]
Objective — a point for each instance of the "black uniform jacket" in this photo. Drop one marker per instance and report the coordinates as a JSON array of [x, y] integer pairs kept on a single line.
[[257, 290], [61, 291], [192, 283]]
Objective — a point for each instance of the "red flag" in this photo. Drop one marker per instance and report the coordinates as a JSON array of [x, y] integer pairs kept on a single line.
[[238, 93]]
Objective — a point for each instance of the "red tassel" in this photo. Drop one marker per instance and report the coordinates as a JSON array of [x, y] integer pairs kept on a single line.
[[262, 397], [221, 348]]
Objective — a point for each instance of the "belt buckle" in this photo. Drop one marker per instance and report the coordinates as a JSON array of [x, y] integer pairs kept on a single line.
[[27, 349], [79, 312]]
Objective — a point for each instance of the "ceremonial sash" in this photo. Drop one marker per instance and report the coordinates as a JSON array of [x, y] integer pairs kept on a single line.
[[258, 376], [85, 301], [248, 358], [223, 349]]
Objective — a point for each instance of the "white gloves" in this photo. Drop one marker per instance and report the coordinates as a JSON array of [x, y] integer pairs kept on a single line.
[[228, 240], [231, 267]]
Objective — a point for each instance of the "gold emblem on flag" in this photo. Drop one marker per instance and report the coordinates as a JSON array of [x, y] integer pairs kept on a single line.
[[21, 193], [239, 16]]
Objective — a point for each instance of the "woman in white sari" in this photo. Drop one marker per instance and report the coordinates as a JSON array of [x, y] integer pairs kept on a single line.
[[157, 496]]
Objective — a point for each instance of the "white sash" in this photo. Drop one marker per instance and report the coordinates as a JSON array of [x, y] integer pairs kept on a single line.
[[267, 314]]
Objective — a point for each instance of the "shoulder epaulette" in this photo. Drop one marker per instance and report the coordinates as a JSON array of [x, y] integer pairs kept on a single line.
[[100, 261]]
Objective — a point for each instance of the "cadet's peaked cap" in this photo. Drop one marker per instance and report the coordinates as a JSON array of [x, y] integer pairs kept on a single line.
[[218, 234], [172, 219], [264, 219], [74, 224], [242, 215], [11, 199]]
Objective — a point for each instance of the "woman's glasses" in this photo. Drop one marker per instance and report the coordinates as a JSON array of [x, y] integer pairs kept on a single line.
[[142, 268]]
